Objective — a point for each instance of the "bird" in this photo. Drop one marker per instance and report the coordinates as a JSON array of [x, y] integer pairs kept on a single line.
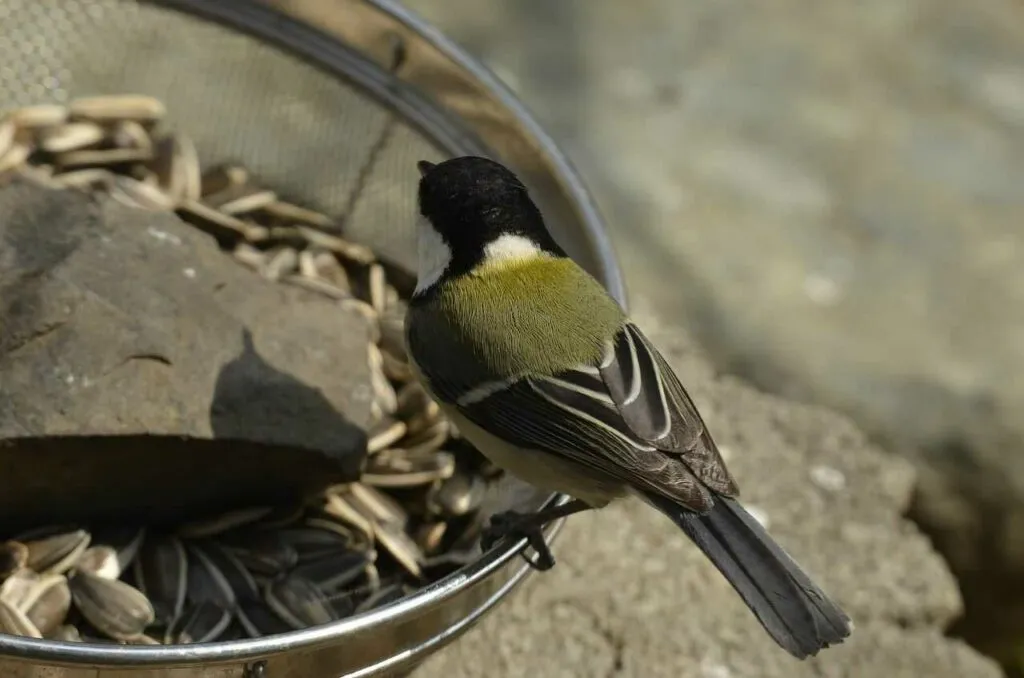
[[545, 373]]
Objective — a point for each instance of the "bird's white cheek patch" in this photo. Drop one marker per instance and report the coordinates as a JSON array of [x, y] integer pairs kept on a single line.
[[434, 254]]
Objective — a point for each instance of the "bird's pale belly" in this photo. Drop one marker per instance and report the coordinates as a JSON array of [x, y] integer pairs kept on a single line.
[[541, 469]]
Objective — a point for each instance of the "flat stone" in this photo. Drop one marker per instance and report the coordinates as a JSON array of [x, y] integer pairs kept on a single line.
[[146, 374]]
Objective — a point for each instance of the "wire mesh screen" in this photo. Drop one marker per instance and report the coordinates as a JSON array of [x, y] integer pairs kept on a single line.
[[315, 139]]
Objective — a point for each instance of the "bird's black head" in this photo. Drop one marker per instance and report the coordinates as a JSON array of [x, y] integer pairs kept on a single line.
[[472, 201]]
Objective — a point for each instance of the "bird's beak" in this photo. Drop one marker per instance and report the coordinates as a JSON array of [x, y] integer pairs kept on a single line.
[[425, 166]]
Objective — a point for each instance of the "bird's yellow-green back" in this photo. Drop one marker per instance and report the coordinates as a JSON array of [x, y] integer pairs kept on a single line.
[[540, 314]]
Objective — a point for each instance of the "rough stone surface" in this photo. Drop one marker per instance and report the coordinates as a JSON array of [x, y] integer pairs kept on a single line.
[[630, 596], [118, 324], [835, 192]]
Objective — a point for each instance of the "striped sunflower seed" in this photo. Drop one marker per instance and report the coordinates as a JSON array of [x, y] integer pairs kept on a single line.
[[114, 108], [114, 608], [13, 557], [161, 573], [73, 136], [58, 553], [51, 605], [14, 622]]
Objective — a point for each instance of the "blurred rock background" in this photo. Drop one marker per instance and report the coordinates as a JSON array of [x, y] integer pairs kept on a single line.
[[831, 197]]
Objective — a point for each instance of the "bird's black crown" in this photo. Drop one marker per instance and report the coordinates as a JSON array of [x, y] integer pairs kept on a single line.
[[470, 201]]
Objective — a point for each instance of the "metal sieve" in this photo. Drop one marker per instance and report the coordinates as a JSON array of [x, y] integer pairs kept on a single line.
[[331, 102]]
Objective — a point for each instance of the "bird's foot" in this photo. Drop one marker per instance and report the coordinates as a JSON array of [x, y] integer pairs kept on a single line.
[[515, 525]]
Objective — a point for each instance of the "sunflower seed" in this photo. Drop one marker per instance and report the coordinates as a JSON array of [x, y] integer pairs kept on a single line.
[[161, 572], [264, 553], [285, 211], [221, 178], [139, 194], [202, 623], [333, 570], [34, 117], [206, 583], [70, 137], [249, 201], [315, 285], [298, 602], [51, 605], [384, 434], [340, 509], [209, 220], [259, 620], [384, 596], [102, 158], [344, 534], [126, 541], [57, 554], [234, 631], [428, 440], [86, 178], [328, 268], [307, 264], [358, 254], [13, 557], [377, 288], [281, 516], [343, 604], [118, 107], [185, 165], [396, 369], [240, 579], [39, 174], [116, 609], [142, 639], [222, 523], [413, 401], [131, 134], [249, 255], [460, 494], [14, 622], [19, 587], [15, 156], [101, 561], [372, 574], [280, 262], [399, 468], [375, 505], [384, 393], [400, 545], [429, 536], [67, 634], [7, 133], [388, 520]]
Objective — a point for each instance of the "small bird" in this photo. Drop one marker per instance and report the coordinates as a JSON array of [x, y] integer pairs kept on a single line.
[[545, 374]]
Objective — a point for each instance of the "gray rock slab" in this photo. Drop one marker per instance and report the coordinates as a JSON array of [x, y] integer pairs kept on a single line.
[[145, 373], [630, 596]]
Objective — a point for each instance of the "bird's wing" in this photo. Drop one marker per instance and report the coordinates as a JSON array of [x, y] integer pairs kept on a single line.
[[627, 417]]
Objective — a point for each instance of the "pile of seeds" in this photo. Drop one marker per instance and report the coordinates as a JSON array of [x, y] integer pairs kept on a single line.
[[415, 513]]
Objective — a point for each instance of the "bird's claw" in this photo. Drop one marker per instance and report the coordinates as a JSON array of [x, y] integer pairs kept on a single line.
[[511, 524]]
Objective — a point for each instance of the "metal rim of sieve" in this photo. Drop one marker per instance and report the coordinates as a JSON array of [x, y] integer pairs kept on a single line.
[[520, 142]]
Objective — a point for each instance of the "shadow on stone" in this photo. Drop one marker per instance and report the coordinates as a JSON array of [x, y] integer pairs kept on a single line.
[[253, 400]]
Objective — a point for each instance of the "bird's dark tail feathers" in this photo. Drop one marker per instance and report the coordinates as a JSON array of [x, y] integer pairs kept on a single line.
[[794, 611]]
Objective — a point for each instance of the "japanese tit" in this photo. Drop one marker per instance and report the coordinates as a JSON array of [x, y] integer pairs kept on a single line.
[[544, 373]]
